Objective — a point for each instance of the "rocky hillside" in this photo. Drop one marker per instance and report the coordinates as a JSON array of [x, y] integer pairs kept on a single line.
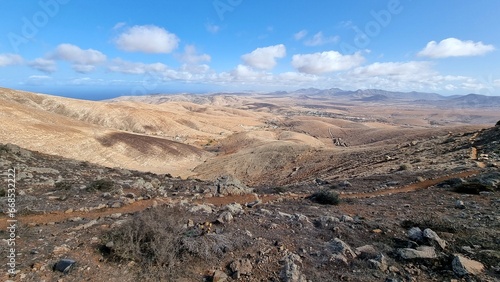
[[77, 221]]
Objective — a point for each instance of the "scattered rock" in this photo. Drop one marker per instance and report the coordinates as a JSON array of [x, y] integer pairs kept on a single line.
[[366, 251], [291, 271], [463, 266], [459, 205], [241, 267], [415, 234], [219, 276], [225, 217], [234, 208], [201, 208], [380, 263], [339, 247], [423, 252], [64, 265], [432, 236], [228, 185]]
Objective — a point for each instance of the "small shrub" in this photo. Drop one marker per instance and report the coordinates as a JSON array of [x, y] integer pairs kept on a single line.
[[153, 239], [3, 193], [63, 185], [405, 167], [101, 185], [325, 197], [280, 189], [472, 188], [4, 148], [498, 123]]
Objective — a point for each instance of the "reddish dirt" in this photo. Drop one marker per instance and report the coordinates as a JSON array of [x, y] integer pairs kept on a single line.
[[58, 216]]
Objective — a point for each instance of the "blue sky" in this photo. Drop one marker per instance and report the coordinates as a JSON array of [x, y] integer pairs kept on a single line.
[[99, 49]]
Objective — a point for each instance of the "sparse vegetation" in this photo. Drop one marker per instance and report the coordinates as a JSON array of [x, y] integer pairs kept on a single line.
[[153, 240], [3, 192], [4, 148], [103, 185], [63, 185], [325, 197], [472, 188], [404, 167], [279, 189]]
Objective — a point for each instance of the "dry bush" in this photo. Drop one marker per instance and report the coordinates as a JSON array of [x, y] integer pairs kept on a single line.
[[103, 185], [325, 197], [153, 240]]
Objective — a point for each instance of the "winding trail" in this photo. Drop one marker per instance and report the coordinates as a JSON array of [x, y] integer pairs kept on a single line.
[[59, 216]]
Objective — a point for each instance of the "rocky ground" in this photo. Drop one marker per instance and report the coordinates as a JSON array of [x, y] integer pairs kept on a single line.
[[421, 211]]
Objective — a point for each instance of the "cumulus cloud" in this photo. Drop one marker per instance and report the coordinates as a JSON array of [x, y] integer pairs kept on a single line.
[[121, 66], [191, 56], [319, 39], [82, 60], [299, 35], [147, 39], [329, 61], [452, 47], [10, 59], [264, 58], [43, 65]]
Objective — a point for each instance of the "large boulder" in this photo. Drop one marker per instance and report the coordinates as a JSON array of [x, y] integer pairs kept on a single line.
[[228, 185]]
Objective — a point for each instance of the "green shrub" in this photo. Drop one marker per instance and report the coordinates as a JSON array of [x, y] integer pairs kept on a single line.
[[279, 189], [498, 123], [3, 193], [405, 167], [101, 185], [325, 197]]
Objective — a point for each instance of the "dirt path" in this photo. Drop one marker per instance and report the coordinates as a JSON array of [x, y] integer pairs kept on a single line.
[[59, 216]]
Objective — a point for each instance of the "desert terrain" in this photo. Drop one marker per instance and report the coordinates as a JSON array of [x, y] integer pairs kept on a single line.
[[310, 185]]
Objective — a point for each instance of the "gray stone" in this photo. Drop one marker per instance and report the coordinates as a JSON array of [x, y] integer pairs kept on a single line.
[[380, 263], [459, 204], [366, 251], [338, 246], [219, 276], [423, 252], [433, 237], [242, 267], [225, 217], [228, 185], [463, 266], [415, 234], [291, 271], [234, 208], [201, 208]]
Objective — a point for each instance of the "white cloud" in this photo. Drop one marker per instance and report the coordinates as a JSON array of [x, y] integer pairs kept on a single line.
[[246, 72], [264, 58], [121, 66], [452, 47], [119, 25], [147, 39], [212, 28], [38, 80], [43, 65], [393, 69], [324, 62], [190, 56], [83, 60], [320, 39], [299, 35], [10, 59]]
